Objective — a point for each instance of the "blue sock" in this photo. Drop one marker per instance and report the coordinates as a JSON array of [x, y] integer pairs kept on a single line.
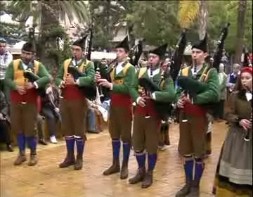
[[188, 168], [126, 152], [32, 143], [115, 148], [141, 159], [199, 168], [21, 142], [151, 161], [70, 143], [80, 145]]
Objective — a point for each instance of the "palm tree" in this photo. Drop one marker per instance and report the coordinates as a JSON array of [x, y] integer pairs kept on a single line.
[[187, 13], [109, 14], [242, 7], [203, 18], [46, 17]]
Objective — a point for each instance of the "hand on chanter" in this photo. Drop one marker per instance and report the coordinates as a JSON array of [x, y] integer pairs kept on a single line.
[[105, 83], [29, 85], [20, 89], [70, 80], [97, 76], [141, 101], [246, 124]]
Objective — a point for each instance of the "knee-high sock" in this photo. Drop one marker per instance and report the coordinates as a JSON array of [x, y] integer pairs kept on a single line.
[[115, 148], [198, 169], [79, 145], [141, 159], [151, 161], [21, 142], [188, 168], [32, 144], [126, 152], [70, 143]]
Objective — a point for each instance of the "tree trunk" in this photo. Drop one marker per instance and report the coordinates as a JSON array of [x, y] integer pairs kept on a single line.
[[240, 30], [49, 16], [203, 17]]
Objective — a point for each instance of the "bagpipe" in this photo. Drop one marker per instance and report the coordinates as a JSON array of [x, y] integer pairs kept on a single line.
[[219, 48], [31, 77], [194, 87], [88, 91], [135, 53], [163, 108], [177, 57]]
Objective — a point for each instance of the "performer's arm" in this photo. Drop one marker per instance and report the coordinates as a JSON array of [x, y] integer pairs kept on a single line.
[[89, 77]]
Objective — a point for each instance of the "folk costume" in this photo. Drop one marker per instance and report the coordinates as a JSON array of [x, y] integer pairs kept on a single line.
[[120, 118], [193, 119], [23, 109], [234, 169], [73, 107], [147, 119]]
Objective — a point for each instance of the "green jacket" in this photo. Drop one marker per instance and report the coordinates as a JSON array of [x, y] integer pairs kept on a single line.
[[42, 73], [210, 86], [88, 70], [167, 93], [128, 80]]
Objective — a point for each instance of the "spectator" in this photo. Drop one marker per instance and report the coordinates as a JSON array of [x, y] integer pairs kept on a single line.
[[4, 121], [219, 112], [232, 78], [50, 110], [5, 59]]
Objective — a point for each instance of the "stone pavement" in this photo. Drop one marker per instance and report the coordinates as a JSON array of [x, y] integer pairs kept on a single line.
[[47, 180]]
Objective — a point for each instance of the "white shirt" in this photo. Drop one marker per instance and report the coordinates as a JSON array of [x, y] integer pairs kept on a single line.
[[75, 63], [119, 67], [154, 72], [198, 68]]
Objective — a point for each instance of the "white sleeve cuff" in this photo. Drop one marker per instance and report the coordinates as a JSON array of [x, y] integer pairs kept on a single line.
[[78, 82], [61, 84], [153, 96], [111, 86], [137, 100], [36, 85]]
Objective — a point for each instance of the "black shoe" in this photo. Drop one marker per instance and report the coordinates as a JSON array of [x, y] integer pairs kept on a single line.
[[43, 142], [9, 148]]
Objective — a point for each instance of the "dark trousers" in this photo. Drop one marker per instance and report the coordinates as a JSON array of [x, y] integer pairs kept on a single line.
[[219, 110], [5, 132], [49, 115]]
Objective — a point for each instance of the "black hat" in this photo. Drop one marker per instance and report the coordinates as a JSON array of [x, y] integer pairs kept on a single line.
[[29, 46], [124, 44], [80, 42], [2, 40], [202, 44], [160, 51]]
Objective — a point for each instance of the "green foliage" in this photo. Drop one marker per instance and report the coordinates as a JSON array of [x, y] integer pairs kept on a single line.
[[222, 12], [47, 45], [105, 15], [52, 32], [155, 21], [13, 32]]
